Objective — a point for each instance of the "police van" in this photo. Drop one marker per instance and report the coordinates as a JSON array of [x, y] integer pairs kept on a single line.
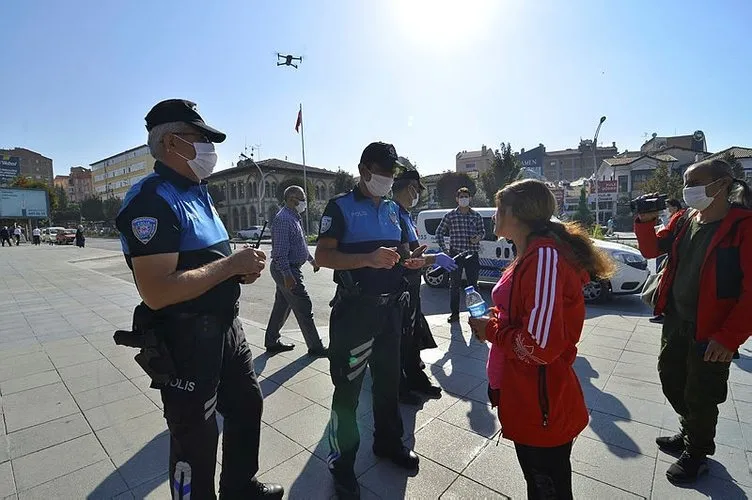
[[495, 255]]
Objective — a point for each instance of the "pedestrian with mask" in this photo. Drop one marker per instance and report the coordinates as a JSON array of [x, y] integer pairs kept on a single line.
[[416, 334], [289, 253], [541, 406], [705, 294], [465, 229]]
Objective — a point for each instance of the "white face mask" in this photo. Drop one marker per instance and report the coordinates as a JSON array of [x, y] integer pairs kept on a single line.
[[301, 207], [464, 202], [415, 200], [695, 196], [379, 185], [206, 158]]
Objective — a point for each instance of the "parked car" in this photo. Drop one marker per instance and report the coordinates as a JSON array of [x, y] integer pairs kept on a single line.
[[251, 233], [65, 236], [49, 234], [495, 255]]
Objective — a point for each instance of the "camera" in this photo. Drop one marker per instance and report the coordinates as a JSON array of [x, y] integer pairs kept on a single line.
[[646, 205]]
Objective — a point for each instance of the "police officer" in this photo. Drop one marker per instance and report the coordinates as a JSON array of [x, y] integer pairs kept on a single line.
[[361, 238], [188, 278]]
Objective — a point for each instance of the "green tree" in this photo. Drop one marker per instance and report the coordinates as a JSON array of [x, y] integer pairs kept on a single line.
[[583, 214], [62, 198], [504, 170], [736, 165], [110, 208], [663, 181], [91, 209], [449, 183], [343, 181]]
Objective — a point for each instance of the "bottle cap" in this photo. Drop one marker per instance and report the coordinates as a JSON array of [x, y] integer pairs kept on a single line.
[[469, 289]]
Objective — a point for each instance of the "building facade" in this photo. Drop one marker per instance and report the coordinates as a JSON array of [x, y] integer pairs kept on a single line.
[[572, 164], [27, 163], [743, 156], [474, 161], [77, 186], [245, 197], [114, 175]]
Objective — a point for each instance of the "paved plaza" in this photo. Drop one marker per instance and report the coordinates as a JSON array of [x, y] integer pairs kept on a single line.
[[78, 420]]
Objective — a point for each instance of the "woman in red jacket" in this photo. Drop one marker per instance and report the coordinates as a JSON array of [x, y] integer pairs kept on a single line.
[[541, 408]]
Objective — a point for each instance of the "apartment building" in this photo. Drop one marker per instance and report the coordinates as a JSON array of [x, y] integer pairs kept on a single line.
[[22, 161], [474, 161], [77, 186], [114, 175]]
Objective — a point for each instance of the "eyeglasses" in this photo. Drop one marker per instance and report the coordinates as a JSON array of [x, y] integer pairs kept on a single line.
[[194, 134]]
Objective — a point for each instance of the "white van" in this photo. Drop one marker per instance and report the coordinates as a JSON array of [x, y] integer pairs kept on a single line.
[[49, 234], [495, 255]]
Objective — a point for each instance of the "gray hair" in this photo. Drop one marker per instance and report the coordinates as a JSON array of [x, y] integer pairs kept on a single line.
[[293, 189], [156, 147]]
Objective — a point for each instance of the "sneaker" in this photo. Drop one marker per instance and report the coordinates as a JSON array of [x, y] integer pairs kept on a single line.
[[656, 319], [454, 318], [346, 485], [687, 469], [401, 457], [671, 444]]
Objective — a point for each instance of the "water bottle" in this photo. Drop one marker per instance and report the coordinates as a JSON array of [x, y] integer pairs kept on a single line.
[[474, 302]]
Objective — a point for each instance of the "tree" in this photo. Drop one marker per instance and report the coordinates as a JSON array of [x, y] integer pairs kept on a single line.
[[504, 170], [91, 209], [583, 214], [664, 181], [110, 208], [343, 181], [449, 183], [62, 198], [736, 165]]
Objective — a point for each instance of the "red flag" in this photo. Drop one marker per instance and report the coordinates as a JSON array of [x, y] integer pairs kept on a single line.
[[299, 121]]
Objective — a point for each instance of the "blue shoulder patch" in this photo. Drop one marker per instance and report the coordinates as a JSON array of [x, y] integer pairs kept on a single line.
[[144, 228]]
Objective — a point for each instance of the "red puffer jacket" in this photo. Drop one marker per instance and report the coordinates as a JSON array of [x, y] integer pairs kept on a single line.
[[541, 398], [725, 300]]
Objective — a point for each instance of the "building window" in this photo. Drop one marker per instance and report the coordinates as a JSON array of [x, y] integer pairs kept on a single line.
[[623, 183], [243, 218], [469, 166], [267, 189], [233, 191], [255, 189], [273, 192], [241, 190]]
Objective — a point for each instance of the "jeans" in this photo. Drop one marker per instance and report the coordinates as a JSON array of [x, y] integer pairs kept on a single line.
[[295, 300], [548, 471]]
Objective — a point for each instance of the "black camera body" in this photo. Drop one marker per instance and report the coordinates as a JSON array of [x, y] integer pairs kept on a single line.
[[647, 205]]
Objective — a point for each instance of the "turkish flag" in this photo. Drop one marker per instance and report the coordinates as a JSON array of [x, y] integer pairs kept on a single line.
[[299, 121]]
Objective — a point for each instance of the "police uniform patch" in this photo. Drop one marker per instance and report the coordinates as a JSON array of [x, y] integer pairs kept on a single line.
[[144, 228], [326, 223]]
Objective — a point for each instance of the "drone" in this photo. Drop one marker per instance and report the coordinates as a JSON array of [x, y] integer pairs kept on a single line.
[[287, 60]]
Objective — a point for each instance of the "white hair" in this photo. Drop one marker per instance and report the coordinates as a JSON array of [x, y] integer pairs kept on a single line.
[[156, 146], [293, 189]]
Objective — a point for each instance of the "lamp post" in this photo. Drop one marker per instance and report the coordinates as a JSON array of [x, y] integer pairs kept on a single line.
[[596, 167], [262, 176]]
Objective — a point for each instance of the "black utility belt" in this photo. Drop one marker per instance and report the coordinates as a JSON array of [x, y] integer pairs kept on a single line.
[[184, 316], [382, 300]]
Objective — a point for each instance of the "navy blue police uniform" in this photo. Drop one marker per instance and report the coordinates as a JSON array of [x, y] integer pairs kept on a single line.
[[365, 325], [212, 363]]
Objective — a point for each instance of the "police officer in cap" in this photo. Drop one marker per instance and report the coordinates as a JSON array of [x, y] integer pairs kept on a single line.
[[362, 239], [189, 280]]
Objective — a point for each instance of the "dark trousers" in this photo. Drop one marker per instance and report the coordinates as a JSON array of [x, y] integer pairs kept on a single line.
[[363, 335], [37, 240], [548, 471], [413, 376], [214, 373], [295, 300], [694, 387], [471, 265], [18, 239], [7, 239]]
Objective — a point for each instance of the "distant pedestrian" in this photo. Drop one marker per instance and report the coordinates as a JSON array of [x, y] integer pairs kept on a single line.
[[17, 235], [80, 237], [5, 236], [289, 253], [610, 227], [36, 235]]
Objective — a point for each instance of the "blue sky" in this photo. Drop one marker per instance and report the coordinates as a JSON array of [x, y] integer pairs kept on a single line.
[[433, 77]]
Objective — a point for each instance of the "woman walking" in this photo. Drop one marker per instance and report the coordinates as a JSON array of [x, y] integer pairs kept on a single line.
[[80, 238], [534, 329]]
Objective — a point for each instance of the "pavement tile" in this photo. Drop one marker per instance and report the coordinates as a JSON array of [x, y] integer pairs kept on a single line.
[[97, 481], [473, 416], [147, 463], [593, 371], [24, 365], [638, 372], [708, 486], [364, 460], [598, 351], [469, 366], [641, 347], [7, 485], [20, 347], [119, 410], [318, 388], [389, 481], [455, 383], [303, 476], [29, 382], [497, 468], [275, 449], [595, 339], [744, 410], [595, 459], [127, 364], [455, 449], [48, 434], [728, 432], [741, 392], [105, 394], [4, 449], [57, 461], [465, 489], [625, 438], [586, 487], [102, 375], [132, 434], [638, 410], [156, 489], [282, 403], [306, 427], [415, 418], [635, 388], [76, 356], [646, 361], [36, 406]]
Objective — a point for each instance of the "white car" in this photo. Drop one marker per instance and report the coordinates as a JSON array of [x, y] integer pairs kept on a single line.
[[250, 233], [49, 234], [495, 255]]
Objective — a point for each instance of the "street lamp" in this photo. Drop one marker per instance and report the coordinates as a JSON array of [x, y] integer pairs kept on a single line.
[[262, 189], [596, 167]]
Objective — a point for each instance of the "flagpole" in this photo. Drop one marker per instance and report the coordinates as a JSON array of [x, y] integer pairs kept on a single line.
[[305, 175]]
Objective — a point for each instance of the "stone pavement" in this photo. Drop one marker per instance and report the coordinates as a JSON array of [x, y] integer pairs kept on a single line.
[[79, 421]]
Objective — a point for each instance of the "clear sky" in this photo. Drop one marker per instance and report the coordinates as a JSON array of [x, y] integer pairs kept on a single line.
[[433, 77]]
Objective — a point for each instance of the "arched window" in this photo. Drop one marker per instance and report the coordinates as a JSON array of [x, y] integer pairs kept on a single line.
[[241, 190], [253, 217], [318, 193], [233, 191], [243, 218], [267, 189], [273, 193], [235, 219], [331, 191]]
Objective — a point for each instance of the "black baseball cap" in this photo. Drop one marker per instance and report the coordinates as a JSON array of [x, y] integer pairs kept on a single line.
[[410, 174], [382, 154], [180, 110]]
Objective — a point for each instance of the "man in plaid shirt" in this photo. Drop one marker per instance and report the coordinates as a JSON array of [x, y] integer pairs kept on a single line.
[[465, 229]]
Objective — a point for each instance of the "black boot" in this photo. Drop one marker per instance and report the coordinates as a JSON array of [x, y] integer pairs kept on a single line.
[[687, 469], [671, 444]]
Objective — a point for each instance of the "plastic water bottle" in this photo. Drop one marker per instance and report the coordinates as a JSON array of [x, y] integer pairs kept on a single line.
[[474, 302]]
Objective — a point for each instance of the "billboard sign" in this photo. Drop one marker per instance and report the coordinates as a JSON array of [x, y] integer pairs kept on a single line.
[[10, 168], [607, 186], [23, 203]]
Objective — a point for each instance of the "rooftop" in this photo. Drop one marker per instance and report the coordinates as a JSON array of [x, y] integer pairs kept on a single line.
[[10, 152], [737, 151], [118, 154], [270, 164]]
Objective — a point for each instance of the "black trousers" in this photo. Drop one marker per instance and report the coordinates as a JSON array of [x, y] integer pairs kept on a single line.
[[295, 300], [548, 471], [7, 239], [694, 387], [413, 376], [471, 265], [214, 373], [363, 335]]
